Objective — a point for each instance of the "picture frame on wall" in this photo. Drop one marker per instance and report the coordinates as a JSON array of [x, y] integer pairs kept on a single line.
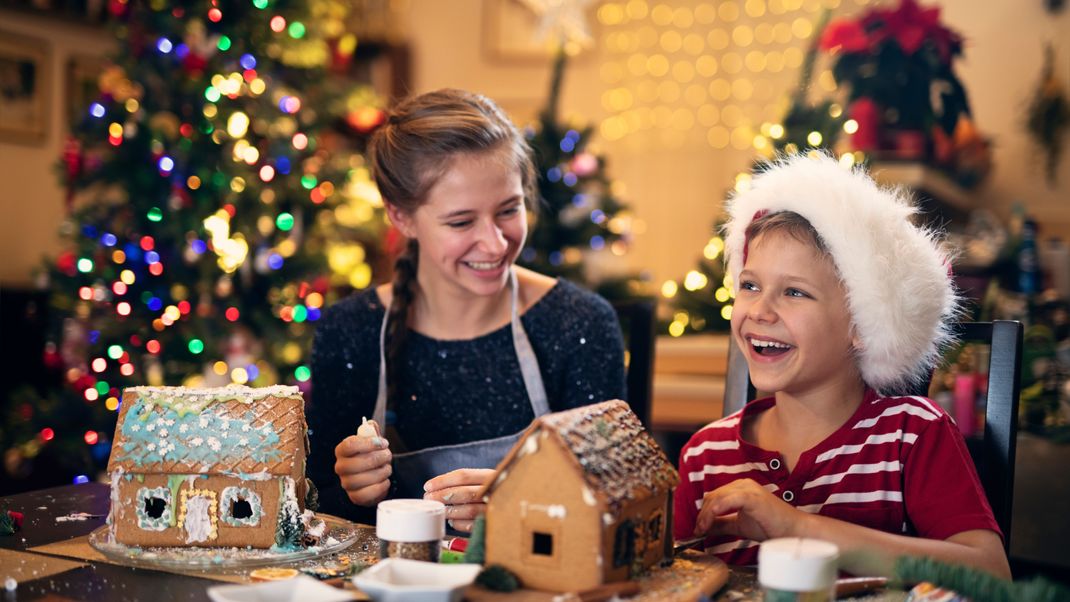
[[24, 88], [509, 33], [83, 87]]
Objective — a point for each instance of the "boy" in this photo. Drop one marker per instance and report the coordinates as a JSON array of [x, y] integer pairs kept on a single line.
[[839, 297]]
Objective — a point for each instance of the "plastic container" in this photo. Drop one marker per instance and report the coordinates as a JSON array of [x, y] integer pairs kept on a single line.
[[797, 570], [410, 529]]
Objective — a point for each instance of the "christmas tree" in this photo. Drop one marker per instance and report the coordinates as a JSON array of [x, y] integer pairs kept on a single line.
[[209, 185], [582, 229], [702, 300]]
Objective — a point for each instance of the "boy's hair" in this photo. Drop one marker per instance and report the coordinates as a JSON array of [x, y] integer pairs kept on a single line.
[[900, 294], [790, 223]]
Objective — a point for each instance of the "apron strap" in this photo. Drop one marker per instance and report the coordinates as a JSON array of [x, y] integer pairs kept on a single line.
[[379, 414], [525, 355]]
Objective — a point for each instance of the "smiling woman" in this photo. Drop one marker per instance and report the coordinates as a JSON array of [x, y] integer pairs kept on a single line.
[[463, 349]]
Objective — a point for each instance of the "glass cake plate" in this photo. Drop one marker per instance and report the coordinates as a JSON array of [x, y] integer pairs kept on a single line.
[[341, 536]]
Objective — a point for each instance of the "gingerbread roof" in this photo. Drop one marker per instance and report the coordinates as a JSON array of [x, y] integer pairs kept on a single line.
[[234, 430], [616, 456]]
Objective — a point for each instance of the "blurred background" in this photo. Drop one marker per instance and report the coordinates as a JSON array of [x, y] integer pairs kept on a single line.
[[184, 187]]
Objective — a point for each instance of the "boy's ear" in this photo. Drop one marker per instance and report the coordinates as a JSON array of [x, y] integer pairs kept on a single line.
[[401, 219]]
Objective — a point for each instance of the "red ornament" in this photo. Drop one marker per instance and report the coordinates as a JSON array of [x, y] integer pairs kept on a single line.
[[584, 164], [16, 518], [117, 7], [66, 263], [52, 359], [73, 162], [321, 284], [182, 193], [868, 116], [193, 63], [340, 58]]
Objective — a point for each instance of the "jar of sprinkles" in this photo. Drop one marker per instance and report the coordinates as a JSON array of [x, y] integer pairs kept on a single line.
[[410, 529]]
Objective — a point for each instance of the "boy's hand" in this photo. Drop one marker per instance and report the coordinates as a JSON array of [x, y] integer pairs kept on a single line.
[[363, 465], [744, 509], [459, 490]]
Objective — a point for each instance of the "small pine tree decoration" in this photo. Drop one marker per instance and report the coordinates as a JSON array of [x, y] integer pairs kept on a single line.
[[476, 552], [582, 229]]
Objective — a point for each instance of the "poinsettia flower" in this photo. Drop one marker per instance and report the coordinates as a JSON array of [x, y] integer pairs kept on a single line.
[[844, 35], [911, 26]]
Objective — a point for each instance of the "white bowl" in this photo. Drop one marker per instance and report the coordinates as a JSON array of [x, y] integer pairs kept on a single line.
[[301, 588], [401, 579]]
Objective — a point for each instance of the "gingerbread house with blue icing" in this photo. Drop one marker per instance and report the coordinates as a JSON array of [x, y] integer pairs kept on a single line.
[[584, 498], [210, 467]]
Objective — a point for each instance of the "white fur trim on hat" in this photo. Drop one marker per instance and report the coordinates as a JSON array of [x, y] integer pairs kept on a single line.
[[898, 281]]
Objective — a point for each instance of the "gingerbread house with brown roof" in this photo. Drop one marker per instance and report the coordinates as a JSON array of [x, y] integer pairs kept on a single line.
[[208, 467], [584, 498]]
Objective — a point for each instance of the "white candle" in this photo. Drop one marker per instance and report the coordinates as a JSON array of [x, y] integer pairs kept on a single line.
[[797, 569]]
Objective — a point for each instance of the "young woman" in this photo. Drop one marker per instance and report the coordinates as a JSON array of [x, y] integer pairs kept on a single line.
[[457, 355]]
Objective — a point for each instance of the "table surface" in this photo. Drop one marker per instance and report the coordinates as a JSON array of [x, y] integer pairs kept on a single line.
[[96, 580], [105, 581]]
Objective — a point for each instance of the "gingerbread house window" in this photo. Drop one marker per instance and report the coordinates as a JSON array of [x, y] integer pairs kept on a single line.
[[624, 544], [154, 508], [240, 507], [542, 544], [654, 526]]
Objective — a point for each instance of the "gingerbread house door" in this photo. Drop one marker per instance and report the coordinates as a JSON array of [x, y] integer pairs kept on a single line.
[[197, 515]]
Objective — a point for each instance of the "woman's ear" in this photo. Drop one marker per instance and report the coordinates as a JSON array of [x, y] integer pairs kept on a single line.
[[400, 218]]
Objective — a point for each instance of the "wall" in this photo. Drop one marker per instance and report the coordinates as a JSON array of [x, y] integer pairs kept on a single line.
[[1001, 70], [675, 180], [31, 197]]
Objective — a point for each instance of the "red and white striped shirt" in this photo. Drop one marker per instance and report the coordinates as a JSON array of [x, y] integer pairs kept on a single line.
[[898, 464]]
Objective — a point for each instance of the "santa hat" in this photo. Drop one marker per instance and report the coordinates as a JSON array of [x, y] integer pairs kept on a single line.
[[897, 276]]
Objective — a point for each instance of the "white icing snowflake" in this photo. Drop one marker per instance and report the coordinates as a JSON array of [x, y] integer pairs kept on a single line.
[[213, 443], [169, 422], [162, 433], [245, 428], [203, 422], [225, 425], [183, 428], [150, 427], [135, 428], [151, 446], [243, 441], [196, 441]]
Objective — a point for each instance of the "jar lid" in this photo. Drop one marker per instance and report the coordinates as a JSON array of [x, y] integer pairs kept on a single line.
[[797, 565], [410, 520]]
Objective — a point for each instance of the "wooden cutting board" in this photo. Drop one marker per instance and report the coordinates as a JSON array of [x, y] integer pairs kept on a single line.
[[692, 575]]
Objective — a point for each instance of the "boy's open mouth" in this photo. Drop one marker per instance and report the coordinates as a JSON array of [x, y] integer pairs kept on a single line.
[[769, 348]]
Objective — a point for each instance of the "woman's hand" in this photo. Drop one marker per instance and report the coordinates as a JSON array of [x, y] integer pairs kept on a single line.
[[363, 465], [744, 509], [459, 490]]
